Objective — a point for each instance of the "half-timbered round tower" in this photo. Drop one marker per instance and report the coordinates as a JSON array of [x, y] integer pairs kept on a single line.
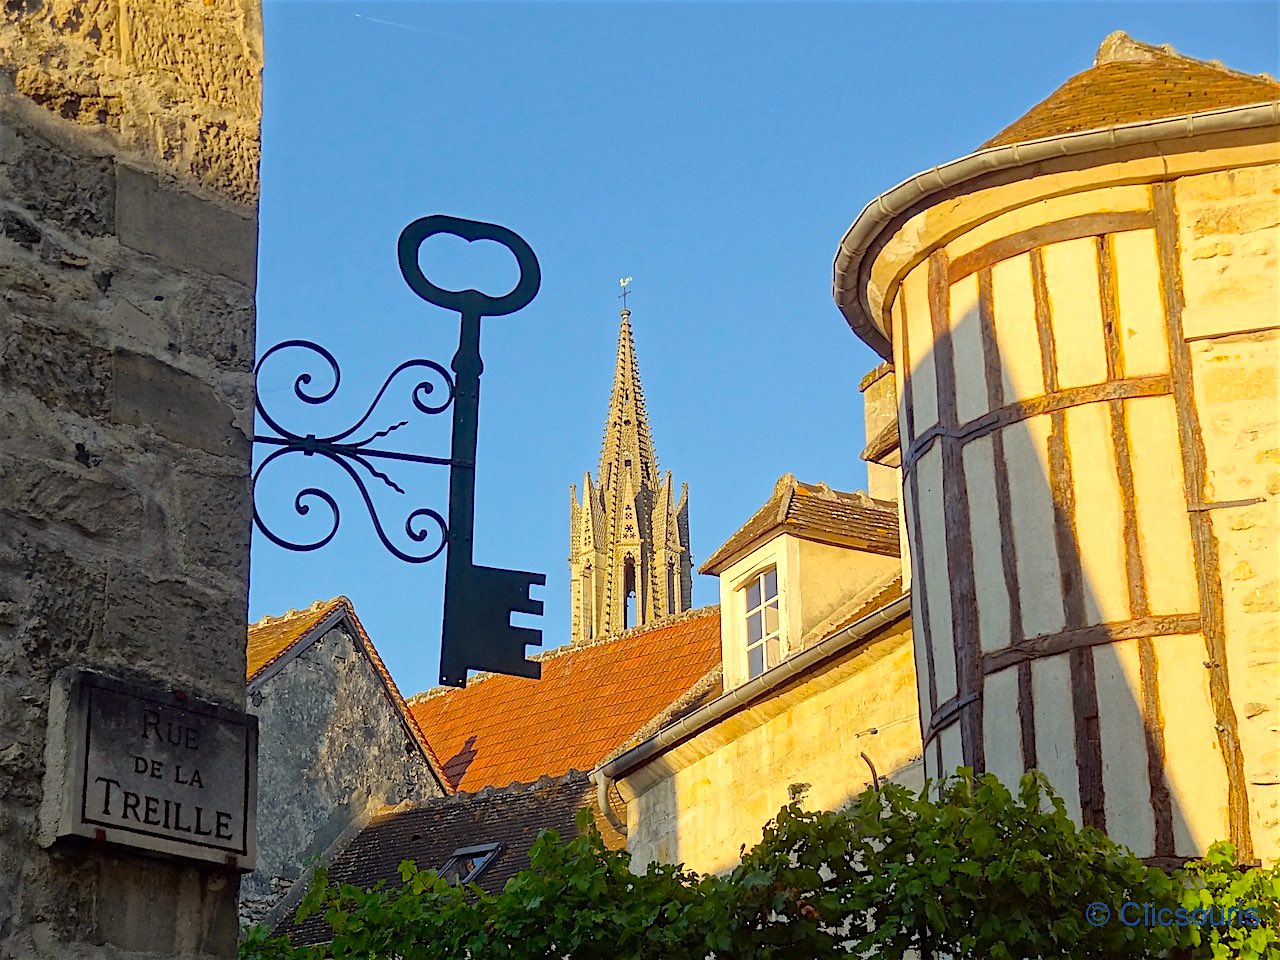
[[1082, 319], [629, 560]]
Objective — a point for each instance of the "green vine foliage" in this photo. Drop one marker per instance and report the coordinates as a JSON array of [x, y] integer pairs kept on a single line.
[[964, 869]]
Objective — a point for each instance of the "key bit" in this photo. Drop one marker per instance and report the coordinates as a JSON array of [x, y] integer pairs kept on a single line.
[[478, 634]]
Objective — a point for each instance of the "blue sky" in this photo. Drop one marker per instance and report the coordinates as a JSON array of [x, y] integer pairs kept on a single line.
[[714, 151]]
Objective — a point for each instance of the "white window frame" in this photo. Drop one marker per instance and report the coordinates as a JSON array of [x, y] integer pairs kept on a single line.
[[482, 853], [759, 577]]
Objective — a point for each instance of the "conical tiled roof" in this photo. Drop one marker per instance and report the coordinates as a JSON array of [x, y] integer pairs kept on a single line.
[[1133, 82]]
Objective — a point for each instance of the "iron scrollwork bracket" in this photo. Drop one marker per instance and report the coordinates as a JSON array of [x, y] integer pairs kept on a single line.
[[479, 601]]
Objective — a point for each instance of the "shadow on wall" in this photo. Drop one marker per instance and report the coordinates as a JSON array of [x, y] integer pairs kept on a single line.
[[700, 802], [1064, 586]]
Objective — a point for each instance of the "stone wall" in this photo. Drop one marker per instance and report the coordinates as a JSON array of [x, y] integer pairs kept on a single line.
[[1230, 242], [333, 748], [175, 81], [701, 802], [128, 184], [880, 411]]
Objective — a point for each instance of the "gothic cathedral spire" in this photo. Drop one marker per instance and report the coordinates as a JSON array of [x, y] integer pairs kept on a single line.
[[629, 560]]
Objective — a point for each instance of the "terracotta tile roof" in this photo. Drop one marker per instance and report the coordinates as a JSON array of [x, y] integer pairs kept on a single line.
[[500, 730], [1131, 82], [709, 687], [816, 512], [428, 834], [271, 638]]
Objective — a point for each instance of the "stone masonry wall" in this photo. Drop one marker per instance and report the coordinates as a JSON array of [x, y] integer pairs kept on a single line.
[[332, 748], [880, 410], [175, 81], [707, 804], [1229, 225], [128, 155]]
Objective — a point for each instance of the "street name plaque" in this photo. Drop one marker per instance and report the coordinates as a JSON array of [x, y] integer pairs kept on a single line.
[[151, 769]]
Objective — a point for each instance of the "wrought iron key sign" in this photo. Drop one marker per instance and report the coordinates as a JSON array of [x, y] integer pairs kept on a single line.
[[478, 601]]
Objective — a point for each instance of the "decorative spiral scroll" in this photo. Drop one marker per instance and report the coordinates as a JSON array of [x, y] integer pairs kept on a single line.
[[423, 525], [423, 390]]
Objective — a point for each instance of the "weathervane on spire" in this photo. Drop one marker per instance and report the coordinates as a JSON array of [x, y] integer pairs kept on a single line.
[[624, 283]]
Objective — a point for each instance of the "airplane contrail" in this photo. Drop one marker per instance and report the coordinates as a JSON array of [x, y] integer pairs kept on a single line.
[[394, 23]]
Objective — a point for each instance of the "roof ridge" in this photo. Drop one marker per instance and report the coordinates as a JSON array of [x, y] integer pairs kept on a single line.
[[292, 613], [489, 790], [1119, 47]]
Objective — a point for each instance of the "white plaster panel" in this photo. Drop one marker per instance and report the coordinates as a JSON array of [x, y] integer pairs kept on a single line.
[[921, 359], [1193, 764], [1124, 746], [1055, 729], [1015, 323], [1144, 340], [1026, 452], [1108, 200], [1002, 728], [991, 592], [920, 655], [952, 750], [899, 383], [1075, 310], [966, 350], [904, 536], [1099, 513], [1164, 530], [937, 581]]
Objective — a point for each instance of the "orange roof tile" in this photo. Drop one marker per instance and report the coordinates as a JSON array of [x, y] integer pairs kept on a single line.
[[273, 637], [501, 730], [1132, 82]]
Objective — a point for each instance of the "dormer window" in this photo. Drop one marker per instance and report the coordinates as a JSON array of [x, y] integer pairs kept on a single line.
[[764, 630]]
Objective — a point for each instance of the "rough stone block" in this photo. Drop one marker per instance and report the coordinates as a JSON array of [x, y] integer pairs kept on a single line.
[[215, 319], [214, 512], [183, 230], [61, 368], [127, 320], [168, 626], [78, 193], [91, 500], [149, 393]]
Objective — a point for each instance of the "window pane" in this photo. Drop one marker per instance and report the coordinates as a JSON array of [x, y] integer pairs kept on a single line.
[[753, 595], [771, 618], [773, 647], [771, 584], [753, 628], [755, 662]]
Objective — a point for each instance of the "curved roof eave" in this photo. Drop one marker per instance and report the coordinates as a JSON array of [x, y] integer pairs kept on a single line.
[[910, 195]]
